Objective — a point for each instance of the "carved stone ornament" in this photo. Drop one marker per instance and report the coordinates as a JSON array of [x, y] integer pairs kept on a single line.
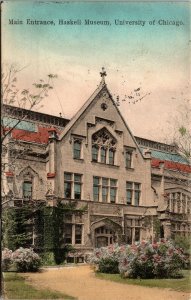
[[104, 138]]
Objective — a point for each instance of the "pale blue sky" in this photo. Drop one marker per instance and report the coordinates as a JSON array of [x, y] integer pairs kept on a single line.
[[157, 57]]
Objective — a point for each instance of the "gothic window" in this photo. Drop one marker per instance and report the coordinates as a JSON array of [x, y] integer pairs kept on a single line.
[[95, 151], [27, 190], [77, 149], [72, 185], [103, 155], [103, 147], [104, 189]]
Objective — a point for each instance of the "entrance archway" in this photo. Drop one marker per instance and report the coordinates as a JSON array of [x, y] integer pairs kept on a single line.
[[104, 236]]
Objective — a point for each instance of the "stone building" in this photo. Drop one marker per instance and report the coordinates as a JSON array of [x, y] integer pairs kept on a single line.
[[129, 188]]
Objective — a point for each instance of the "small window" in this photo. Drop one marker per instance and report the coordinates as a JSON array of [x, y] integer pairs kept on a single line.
[[77, 149], [27, 190], [128, 159]]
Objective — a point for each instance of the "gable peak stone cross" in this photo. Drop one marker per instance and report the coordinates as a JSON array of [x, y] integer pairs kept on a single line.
[[103, 74]]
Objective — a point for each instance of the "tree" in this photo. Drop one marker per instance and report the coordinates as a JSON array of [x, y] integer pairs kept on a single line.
[[23, 98]]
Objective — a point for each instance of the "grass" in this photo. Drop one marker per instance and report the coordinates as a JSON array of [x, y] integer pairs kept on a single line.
[[181, 284], [16, 288]]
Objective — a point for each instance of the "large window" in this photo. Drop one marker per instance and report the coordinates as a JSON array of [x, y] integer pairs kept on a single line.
[[73, 231], [27, 190], [77, 149], [133, 230], [103, 147], [133, 193], [104, 189], [72, 185], [179, 203]]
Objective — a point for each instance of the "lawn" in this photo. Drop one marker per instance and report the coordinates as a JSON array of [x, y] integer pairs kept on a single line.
[[16, 288], [181, 284]]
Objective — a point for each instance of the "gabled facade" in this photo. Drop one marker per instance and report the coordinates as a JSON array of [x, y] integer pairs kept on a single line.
[[126, 192]]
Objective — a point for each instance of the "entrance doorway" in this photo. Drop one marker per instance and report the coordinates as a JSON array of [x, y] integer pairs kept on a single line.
[[104, 237]]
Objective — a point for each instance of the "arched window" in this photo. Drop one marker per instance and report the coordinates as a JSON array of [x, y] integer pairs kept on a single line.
[[103, 147]]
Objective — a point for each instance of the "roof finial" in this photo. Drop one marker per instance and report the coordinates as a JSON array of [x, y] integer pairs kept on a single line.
[[103, 74]]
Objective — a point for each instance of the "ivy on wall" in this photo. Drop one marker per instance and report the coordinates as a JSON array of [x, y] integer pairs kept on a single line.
[[41, 227]]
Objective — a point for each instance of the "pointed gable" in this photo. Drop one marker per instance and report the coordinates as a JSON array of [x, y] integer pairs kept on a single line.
[[100, 106]]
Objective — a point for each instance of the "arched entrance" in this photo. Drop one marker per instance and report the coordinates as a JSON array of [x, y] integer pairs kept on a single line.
[[104, 236], [105, 232]]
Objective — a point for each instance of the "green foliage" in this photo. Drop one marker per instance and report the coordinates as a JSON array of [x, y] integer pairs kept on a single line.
[[108, 265], [46, 223], [180, 284], [183, 242], [17, 288]]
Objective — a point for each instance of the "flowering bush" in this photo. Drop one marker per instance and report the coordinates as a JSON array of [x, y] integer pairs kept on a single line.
[[26, 260], [6, 259], [145, 259]]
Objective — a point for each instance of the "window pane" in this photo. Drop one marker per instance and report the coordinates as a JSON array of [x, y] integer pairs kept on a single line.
[[112, 195], [137, 186], [94, 153], [96, 180], [27, 189], [129, 196], [77, 191], [128, 157], [104, 181], [111, 157], [129, 185], [137, 197], [77, 177], [77, 149], [68, 234], [104, 194], [137, 234], [103, 155], [78, 234], [96, 193], [113, 182], [67, 189], [67, 176]]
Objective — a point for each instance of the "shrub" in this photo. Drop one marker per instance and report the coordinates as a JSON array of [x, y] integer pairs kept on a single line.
[[6, 259], [26, 260], [108, 265], [145, 260]]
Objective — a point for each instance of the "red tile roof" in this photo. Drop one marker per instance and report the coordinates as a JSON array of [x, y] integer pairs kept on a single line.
[[40, 137], [171, 165]]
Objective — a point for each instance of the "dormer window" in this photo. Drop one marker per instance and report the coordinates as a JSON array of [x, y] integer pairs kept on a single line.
[[77, 149]]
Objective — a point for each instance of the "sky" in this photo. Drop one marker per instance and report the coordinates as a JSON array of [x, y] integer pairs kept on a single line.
[[153, 58]]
